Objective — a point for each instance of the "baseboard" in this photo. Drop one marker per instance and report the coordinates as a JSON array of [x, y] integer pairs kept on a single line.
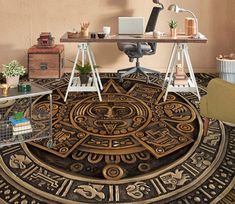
[[206, 70], [162, 70]]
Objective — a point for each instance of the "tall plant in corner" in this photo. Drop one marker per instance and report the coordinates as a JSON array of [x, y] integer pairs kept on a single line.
[[12, 71]]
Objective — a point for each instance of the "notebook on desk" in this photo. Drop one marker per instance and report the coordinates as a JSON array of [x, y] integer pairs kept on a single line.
[[130, 25]]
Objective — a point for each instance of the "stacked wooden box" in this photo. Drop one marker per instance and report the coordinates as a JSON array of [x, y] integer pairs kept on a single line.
[[46, 62], [180, 77]]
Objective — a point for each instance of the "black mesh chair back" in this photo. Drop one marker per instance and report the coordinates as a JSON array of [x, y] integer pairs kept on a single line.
[[140, 49], [152, 24]]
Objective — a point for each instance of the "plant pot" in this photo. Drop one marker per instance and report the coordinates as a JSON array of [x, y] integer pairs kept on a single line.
[[84, 33], [173, 32], [84, 78], [13, 81]]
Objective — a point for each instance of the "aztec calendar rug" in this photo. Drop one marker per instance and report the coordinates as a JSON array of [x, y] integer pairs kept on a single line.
[[130, 148]]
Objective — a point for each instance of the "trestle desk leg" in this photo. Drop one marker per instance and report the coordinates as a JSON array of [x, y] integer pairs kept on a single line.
[[171, 70], [94, 74], [72, 74], [173, 53], [190, 68], [95, 67]]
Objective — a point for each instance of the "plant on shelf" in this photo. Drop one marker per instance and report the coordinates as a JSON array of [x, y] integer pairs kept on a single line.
[[12, 71], [172, 24], [84, 71]]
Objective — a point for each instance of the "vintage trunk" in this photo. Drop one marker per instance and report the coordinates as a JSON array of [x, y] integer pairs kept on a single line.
[[46, 62]]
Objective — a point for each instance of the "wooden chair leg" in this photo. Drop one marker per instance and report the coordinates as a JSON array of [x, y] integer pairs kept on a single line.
[[205, 126]]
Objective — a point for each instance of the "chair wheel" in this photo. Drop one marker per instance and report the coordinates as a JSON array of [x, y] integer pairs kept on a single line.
[[147, 80], [120, 79], [50, 144]]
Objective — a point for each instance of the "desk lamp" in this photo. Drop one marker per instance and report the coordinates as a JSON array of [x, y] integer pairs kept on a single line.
[[158, 3], [177, 9]]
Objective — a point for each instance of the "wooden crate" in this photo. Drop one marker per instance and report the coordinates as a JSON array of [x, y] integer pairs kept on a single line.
[[46, 62]]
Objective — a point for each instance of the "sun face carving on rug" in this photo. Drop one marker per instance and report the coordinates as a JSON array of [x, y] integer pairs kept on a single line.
[[131, 126], [117, 115]]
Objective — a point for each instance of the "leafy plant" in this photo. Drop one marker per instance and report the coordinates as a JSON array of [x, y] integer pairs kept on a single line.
[[86, 69], [13, 69], [172, 24], [18, 115]]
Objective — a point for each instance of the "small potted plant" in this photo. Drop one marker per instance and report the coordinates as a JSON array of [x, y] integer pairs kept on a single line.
[[84, 72], [12, 71], [172, 24]]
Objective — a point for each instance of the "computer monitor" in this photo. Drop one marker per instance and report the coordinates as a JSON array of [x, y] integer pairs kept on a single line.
[[130, 25]]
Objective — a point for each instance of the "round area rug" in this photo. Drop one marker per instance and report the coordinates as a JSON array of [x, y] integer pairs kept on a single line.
[[132, 147], [5, 104]]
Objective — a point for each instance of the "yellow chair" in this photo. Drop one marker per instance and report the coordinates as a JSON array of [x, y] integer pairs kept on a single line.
[[219, 103]]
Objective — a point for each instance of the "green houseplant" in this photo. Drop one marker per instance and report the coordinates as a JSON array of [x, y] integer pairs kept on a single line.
[[84, 72], [12, 71], [172, 24]]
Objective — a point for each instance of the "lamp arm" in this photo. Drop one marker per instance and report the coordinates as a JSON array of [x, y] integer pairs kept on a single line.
[[196, 20]]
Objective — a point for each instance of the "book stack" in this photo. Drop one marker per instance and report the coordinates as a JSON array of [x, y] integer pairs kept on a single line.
[[180, 77], [21, 126]]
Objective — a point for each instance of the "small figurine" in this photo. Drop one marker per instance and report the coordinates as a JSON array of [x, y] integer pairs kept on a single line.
[[45, 40], [180, 77], [5, 88]]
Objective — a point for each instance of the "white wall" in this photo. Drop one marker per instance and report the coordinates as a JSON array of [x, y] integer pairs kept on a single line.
[[21, 22]]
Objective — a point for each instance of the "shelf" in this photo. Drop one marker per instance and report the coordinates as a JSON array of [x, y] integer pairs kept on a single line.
[[182, 88], [25, 134], [36, 90], [94, 84], [77, 86], [9, 136]]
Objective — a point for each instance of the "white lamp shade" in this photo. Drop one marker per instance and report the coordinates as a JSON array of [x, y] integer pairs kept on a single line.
[[175, 8]]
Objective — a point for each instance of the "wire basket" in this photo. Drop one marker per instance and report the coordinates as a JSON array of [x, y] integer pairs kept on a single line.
[[33, 126], [11, 135]]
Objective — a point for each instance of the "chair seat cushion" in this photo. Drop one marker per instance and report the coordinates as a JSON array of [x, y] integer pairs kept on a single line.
[[133, 47]]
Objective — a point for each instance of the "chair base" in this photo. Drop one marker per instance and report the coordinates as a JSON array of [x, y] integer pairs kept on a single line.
[[138, 69]]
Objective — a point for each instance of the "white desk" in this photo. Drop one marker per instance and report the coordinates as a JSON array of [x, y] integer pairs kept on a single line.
[[180, 50]]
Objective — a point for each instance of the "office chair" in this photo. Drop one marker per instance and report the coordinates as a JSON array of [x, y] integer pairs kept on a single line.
[[138, 50]]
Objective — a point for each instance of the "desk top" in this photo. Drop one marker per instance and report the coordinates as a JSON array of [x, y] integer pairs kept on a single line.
[[132, 38]]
